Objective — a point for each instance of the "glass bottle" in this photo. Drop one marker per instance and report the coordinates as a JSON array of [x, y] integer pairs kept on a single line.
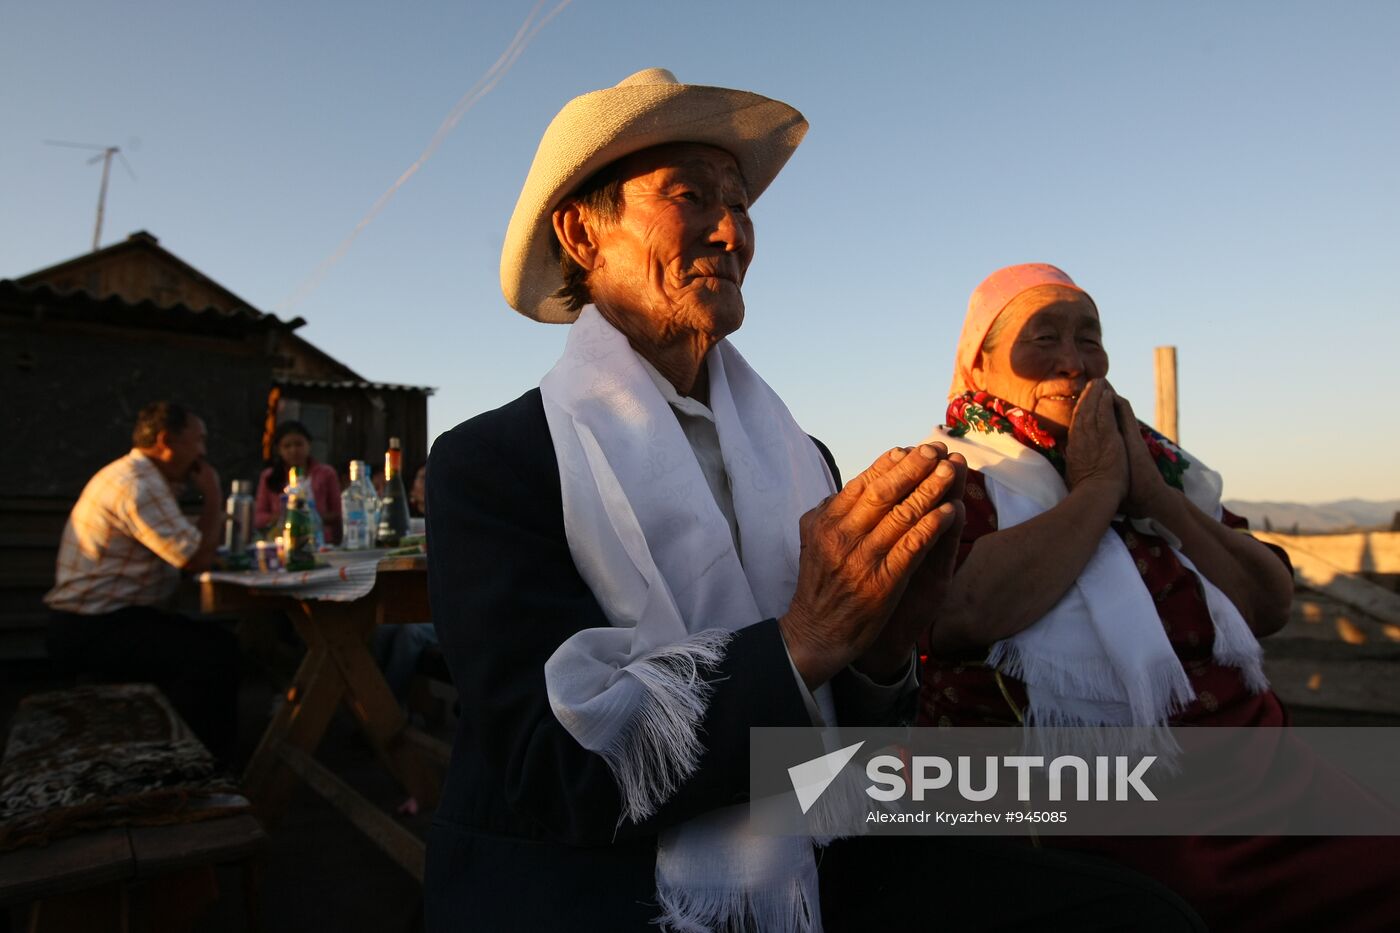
[[238, 527], [393, 505], [359, 506], [298, 536], [299, 484]]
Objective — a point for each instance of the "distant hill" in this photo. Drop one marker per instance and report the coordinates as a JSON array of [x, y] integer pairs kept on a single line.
[[1344, 515]]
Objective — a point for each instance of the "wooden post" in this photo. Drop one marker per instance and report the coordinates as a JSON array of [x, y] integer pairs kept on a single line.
[[1164, 359]]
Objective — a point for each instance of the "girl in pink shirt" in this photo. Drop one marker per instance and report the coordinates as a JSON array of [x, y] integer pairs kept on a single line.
[[291, 447]]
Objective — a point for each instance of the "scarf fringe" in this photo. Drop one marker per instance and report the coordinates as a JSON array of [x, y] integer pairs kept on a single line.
[[1091, 679], [1254, 677], [659, 748], [1167, 692], [1159, 691], [787, 908], [840, 811], [1052, 732], [1235, 646], [1250, 666]]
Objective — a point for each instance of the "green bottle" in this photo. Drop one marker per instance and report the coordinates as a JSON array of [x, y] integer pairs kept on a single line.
[[299, 536]]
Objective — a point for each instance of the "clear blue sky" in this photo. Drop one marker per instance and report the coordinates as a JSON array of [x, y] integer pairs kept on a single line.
[[1224, 177]]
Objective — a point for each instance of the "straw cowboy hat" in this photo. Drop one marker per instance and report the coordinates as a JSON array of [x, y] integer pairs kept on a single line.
[[648, 109]]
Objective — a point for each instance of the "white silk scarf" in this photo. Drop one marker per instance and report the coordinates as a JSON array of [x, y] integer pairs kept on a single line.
[[653, 546], [1100, 656]]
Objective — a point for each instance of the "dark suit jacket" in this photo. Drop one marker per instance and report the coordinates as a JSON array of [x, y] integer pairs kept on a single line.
[[527, 836]]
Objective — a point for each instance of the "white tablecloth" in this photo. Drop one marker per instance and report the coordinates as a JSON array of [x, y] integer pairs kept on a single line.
[[353, 578]]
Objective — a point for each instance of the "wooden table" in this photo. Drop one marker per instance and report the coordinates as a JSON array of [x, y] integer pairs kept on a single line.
[[338, 669], [95, 868]]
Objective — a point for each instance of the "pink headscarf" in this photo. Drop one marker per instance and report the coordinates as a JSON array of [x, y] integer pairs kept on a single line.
[[988, 301]]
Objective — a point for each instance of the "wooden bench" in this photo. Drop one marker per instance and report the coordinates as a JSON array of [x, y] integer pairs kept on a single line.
[[90, 879], [103, 866]]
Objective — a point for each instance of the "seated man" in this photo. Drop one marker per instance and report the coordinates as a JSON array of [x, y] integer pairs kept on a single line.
[[119, 563]]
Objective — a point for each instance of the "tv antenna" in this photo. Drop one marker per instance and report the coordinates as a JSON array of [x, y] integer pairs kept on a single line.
[[104, 156]]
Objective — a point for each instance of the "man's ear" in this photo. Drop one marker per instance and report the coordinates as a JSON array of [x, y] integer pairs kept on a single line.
[[575, 234]]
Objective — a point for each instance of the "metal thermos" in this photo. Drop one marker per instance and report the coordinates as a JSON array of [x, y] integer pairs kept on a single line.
[[238, 526]]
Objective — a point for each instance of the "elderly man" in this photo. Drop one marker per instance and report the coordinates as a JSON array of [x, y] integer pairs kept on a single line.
[[119, 561], [640, 560]]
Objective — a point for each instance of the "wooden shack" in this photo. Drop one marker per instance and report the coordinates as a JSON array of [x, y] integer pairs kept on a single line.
[[89, 341]]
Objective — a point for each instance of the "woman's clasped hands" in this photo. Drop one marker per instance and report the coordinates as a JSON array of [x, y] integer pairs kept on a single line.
[[1106, 451]]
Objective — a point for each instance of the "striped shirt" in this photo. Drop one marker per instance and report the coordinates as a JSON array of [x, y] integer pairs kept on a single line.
[[124, 543]]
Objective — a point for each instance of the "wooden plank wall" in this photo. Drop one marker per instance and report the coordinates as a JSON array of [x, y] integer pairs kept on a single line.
[[30, 529], [71, 412], [1372, 554]]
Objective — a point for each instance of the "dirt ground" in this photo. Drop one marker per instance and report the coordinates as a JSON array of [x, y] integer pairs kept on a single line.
[[1332, 665]]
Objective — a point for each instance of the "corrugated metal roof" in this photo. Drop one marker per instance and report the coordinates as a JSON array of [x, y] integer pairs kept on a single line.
[[77, 304], [352, 384]]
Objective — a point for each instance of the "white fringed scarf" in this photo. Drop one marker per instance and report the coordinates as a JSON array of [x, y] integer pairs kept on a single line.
[[1100, 656], [653, 546]]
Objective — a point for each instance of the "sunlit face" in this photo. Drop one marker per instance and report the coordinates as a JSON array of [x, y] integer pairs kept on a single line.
[[295, 450], [672, 265], [1050, 346], [186, 446]]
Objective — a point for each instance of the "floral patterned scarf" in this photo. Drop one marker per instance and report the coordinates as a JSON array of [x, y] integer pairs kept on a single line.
[[984, 413]]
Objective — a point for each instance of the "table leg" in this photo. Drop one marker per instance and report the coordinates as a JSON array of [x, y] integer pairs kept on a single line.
[[312, 698], [346, 628]]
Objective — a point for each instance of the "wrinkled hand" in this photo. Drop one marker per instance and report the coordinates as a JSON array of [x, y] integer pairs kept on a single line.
[[859, 549], [1095, 452], [1146, 487], [918, 608]]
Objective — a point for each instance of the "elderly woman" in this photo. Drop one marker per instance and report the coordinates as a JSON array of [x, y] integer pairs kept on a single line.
[[635, 563], [1100, 582]]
